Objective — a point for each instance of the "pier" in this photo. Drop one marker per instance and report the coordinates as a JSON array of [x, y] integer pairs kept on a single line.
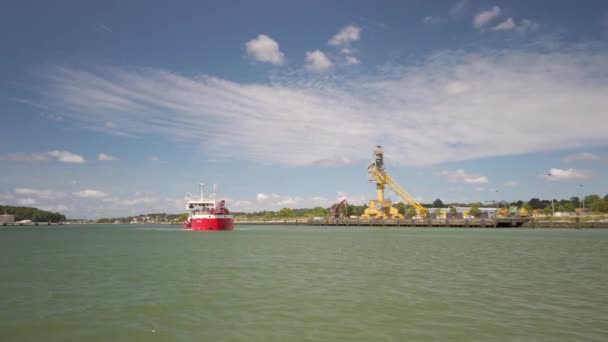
[[472, 223]]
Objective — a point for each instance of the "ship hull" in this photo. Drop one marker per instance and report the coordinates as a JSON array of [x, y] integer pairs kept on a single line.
[[210, 222]]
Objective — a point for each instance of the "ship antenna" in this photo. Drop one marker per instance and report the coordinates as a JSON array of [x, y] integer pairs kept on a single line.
[[214, 187], [202, 191]]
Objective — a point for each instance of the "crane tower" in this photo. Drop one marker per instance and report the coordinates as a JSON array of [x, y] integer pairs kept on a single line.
[[381, 208]]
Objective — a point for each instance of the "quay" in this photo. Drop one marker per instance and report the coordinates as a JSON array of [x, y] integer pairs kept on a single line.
[[479, 223]]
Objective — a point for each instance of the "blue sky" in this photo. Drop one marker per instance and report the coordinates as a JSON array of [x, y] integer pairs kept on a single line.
[[117, 108]]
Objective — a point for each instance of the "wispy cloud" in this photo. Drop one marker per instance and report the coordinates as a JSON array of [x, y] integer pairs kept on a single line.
[[62, 156], [429, 19], [524, 25], [265, 49], [556, 174], [581, 156], [485, 17], [26, 201], [90, 193], [444, 109], [40, 193], [106, 157], [458, 9], [511, 183], [102, 28], [460, 176]]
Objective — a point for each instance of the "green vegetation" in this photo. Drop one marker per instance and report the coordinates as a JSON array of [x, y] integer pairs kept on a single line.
[[147, 218], [475, 211], [33, 214]]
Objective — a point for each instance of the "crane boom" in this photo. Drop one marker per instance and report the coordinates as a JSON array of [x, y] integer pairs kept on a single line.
[[382, 177]]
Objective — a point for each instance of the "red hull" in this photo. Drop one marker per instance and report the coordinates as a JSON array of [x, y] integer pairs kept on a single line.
[[210, 223]]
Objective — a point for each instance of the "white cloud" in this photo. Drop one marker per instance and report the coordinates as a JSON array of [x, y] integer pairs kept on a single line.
[[294, 121], [317, 61], [276, 202], [265, 49], [525, 25], [337, 161], [154, 159], [106, 157], [484, 17], [45, 193], [89, 193], [289, 202], [351, 60], [429, 19], [66, 157], [342, 40], [26, 201], [556, 174], [62, 156], [457, 87], [508, 24], [6, 196], [460, 176], [346, 36], [60, 208], [582, 156], [511, 183]]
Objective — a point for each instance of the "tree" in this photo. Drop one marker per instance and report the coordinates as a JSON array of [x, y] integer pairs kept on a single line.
[[285, 213], [599, 205], [438, 204], [475, 211], [453, 211], [575, 201], [400, 207], [566, 207], [535, 203], [410, 212], [589, 199]]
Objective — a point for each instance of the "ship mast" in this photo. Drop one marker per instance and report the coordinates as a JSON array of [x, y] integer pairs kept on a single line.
[[202, 190]]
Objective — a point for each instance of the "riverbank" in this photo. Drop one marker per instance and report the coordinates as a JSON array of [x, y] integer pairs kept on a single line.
[[469, 223]]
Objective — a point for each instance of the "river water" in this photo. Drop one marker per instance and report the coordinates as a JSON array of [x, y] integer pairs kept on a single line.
[[287, 283]]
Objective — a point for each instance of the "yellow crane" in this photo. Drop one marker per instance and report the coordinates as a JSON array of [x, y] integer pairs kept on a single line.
[[381, 208]]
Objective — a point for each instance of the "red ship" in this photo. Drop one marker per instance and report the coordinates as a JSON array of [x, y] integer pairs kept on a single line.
[[207, 214]]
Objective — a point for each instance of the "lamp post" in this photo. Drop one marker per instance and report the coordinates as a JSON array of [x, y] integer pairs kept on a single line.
[[583, 196], [552, 205]]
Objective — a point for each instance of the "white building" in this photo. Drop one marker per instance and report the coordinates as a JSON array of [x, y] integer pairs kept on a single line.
[[7, 219]]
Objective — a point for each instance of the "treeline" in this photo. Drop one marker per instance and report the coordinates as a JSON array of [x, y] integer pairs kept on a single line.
[[33, 214], [146, 218]]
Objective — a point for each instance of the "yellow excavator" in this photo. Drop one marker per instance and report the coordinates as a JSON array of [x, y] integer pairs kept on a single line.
[[381, 208]]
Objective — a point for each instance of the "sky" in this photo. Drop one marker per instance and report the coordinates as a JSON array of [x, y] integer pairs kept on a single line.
[[116, 108]]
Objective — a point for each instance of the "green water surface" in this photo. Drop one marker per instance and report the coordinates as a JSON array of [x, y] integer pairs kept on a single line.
[[263, 283]]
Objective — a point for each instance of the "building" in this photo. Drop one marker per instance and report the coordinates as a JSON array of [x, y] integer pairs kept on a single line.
[[461, 212], [4, 219]]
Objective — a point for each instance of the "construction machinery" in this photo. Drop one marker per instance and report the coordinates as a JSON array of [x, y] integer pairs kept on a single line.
[[381, 208], [339, 210]]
